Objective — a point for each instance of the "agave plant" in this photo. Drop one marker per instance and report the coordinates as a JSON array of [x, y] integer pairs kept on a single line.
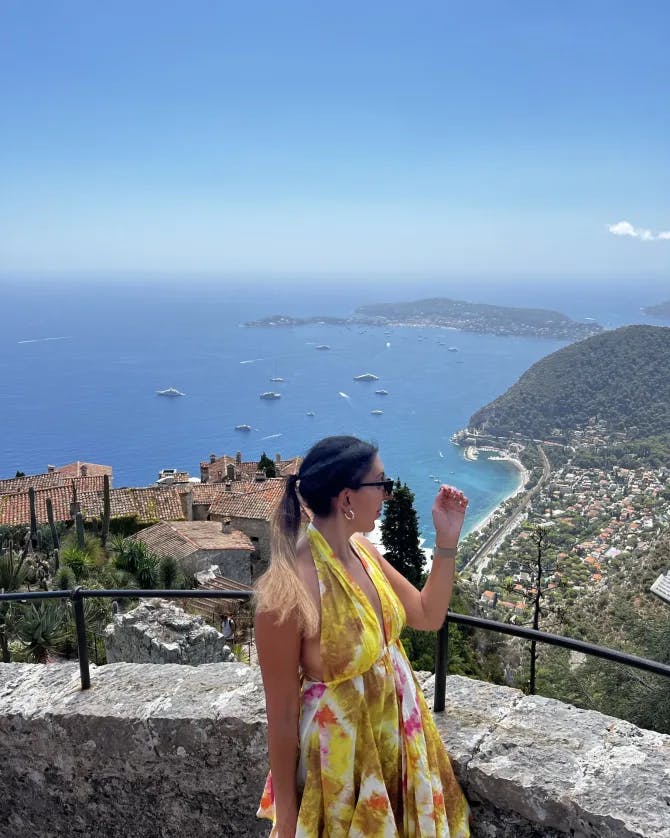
[[78, 560], [42, 628]]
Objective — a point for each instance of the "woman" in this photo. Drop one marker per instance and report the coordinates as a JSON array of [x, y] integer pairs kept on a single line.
[[342, 702]]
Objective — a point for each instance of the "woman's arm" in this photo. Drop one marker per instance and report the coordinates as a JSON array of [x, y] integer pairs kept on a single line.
[[426, 609], [278, 648]]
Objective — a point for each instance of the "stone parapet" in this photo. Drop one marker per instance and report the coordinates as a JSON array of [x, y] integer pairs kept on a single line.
[[160, 632], [179, 751]]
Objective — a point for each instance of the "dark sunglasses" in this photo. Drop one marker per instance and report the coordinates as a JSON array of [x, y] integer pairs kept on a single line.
[[387, 484]]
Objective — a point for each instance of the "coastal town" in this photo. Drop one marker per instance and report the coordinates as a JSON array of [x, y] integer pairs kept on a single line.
[[599, 519]]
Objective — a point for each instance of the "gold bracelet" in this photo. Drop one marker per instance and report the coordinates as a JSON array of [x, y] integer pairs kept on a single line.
[[444, 552]]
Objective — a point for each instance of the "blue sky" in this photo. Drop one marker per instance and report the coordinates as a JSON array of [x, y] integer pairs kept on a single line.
[[432, 138]]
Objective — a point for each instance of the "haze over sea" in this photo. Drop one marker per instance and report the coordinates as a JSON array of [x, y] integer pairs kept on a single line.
[[81, 361]]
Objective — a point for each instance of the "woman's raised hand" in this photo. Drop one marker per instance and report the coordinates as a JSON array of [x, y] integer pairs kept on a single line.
[[448, 513]]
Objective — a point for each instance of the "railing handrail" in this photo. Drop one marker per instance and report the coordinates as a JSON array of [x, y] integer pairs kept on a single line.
[[77, 595]]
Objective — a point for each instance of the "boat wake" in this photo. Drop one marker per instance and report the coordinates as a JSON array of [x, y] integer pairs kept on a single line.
[[44, 340]]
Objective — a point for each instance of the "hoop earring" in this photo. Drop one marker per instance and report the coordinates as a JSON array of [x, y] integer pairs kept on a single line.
[[350, 517]]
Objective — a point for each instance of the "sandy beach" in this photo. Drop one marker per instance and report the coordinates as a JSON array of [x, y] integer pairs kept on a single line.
[[523, 479], [376, 535]]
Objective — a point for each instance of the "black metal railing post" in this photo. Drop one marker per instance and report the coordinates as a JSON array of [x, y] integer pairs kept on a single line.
[[441, 667], [82, 647]]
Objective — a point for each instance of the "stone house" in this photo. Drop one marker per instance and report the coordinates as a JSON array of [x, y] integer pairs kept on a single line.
[[199, 545], [234, 469], [249, 507]]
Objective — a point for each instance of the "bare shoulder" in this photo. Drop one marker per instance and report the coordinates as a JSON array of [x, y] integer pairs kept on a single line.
[[369, 548]]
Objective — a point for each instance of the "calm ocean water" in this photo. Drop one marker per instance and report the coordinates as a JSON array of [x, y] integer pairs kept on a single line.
[[80, 363]]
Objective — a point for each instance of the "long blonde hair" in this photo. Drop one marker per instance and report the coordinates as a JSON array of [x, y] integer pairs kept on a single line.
[[332, 464]]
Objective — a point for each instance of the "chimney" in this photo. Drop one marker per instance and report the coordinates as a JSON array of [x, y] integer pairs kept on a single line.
[[260, 476], [186, 499], [212, 458], [238, 458], [83, 470], [229, 486], [225, 527], [277, 459], [230, 471], [51, 469]]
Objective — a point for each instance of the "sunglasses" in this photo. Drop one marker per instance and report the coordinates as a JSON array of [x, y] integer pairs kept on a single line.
[[387, 484]]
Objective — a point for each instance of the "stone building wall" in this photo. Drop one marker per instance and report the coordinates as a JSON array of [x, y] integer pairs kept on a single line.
[[233, 564], [160, 632], [258, 531], [179, 752]]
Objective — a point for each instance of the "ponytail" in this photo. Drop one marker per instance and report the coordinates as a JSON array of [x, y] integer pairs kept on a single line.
[[280, 589]]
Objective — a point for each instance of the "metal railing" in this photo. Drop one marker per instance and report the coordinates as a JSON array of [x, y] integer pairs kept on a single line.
[[78, 595], [442, 649]]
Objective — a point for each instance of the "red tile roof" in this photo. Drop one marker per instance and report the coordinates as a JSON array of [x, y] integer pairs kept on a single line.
[[50, 480], [181, 538], [246, 470], [79, 469], [252, 500]]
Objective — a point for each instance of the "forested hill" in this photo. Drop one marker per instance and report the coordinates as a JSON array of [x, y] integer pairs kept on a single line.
[[622, 377]]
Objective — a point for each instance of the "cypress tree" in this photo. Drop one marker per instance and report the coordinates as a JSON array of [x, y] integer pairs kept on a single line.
[[400, 534], [267, 465]]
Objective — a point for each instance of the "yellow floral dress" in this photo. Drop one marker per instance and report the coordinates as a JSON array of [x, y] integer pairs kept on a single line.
[[372, 764]]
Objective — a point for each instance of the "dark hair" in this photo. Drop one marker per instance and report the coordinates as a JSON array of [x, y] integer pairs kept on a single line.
[[333, 464]]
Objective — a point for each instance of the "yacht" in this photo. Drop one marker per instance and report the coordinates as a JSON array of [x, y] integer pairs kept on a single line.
[[382, 392], [270, 395], [242, 427], [323, 346], [277, 378], [452, 349], [366, 376], [171, 391], [311, 413], [376, 412]]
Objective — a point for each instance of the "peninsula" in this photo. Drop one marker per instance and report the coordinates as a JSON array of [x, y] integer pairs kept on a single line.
[[454, 314], [662, 310]]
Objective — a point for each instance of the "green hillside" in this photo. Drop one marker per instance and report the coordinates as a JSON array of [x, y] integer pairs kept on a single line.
[[621, 377]]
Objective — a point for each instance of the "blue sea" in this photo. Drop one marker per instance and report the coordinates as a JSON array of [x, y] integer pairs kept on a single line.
[[81, 360]]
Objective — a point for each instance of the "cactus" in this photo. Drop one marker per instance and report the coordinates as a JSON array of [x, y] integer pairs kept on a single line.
[[106, 510], [33, 517], [54, 533], [52, 524], [79, 523]]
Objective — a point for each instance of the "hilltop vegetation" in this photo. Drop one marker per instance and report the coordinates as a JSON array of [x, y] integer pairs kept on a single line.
[[620, 378], [479, 317]]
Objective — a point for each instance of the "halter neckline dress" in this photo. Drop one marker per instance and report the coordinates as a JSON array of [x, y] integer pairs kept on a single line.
[[371, 762]]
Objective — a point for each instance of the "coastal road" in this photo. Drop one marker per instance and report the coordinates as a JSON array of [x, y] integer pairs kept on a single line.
[[481, 558]]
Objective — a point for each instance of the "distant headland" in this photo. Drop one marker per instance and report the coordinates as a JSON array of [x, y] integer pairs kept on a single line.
[[446, 313], [661, 310]]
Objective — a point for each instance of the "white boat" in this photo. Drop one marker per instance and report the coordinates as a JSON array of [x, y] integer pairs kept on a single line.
[[366, 376], [171, 391], [277, 378], [242, 427], [270, 395], [376, 412], [323, 346], [382, 392], [452, 349], [311, 413]]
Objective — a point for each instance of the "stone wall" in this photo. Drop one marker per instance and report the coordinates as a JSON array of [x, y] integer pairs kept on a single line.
[[157, 631], [179, 752], [258, 531]]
